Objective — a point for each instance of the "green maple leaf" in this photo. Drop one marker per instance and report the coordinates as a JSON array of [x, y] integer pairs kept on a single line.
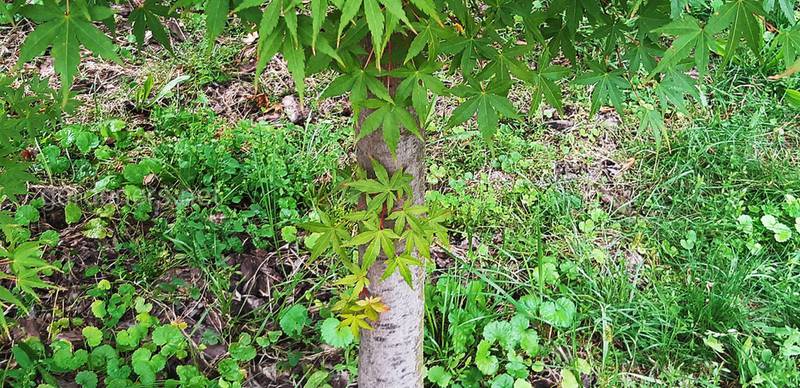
[[355, 322], [383, 190], [216, 15], [357, 279], [543, 80], [788, 44], [376, 239], [653, 120], [296, 63], [14, 178], [643, 56], [465, 50], [575, 10], [504, 63], [742, 18], [148, 17], [359, 83], [417, 81], [561, 40], [608, 88], [66, 31], [690, 35], [653, 14], [331, 236], [391, 118], [486, 103], [674, 88], [401, 263], [429, 35]]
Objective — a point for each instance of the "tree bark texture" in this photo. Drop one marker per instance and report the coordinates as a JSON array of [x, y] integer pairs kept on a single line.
[[390, 356]]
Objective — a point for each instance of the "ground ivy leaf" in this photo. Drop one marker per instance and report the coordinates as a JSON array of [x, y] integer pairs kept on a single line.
[[334, 334], [559, 313], [294, 320], [93, 335], [86, 379], [484, 360]]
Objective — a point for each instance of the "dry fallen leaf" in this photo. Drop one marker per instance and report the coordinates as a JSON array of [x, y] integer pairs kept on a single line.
[[789, 71]]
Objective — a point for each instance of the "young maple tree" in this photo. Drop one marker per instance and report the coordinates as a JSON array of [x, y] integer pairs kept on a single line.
[[393, 57]]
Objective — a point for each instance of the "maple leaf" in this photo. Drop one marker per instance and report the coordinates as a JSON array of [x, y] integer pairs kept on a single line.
[[690, 35], [486, 103], [355, 322], [742, 18], [608, 87], [401, 263], [331, 235], [65, 30], [371, 307]]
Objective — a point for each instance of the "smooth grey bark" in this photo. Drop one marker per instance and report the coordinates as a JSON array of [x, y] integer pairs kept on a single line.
[[390, 356]]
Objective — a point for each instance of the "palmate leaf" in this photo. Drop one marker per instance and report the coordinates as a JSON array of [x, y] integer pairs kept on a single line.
[[318, 10], [651, 119], [377, 240], [40, 39], [355, 322], [401, 264], [66, 55], [7, 297], [331, 236], [417, 82], [561, 39], [216, 16], [269, 43], [429, 35], [741, 16], [360, 83], [788, 44], [391, 119], [371, 307], [544, 86], [410, 214], [608, 88], [487, 104], [147, 17], [296, 63], [643, 56], [357, 279], [465, 51], [504, 64], [674, 88], [14, 178], [382, 192], [575, 10], [652, 15], [65, 33], [375, 22], [690, 35]]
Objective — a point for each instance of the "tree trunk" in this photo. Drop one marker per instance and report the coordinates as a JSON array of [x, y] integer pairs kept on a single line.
[[391, 355]]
